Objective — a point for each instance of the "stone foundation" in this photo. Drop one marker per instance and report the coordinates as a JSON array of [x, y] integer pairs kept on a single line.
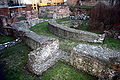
[[95, 60], [26, 24], [73, 34], [45, 50]]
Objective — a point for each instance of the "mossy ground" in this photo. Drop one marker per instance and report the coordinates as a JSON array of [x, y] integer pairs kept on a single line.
[[45, 17], [62, 71], [13, 60], [4, 39]]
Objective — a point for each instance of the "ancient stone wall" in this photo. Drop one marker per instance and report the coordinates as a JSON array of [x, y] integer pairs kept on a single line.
[[73, 34], [54, 11], [45, 50], [28, 24], [95, 60]]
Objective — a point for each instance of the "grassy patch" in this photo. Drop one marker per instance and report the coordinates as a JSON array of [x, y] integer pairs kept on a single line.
[[87, 8], [45, 18], [14, 60], [85, 24], [62, 19], [4, 39], [62, 71], [112, 43], [21, 18], [42, 29]]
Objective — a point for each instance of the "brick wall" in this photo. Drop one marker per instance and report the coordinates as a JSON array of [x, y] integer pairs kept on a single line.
[[17, 10]]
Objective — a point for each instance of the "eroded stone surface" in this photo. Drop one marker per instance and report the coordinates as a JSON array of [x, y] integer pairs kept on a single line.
[[41, 60], [45, 50], [92, 59], [97, 51], [54, 11], [95, 60], [28, 24], [73, 34]]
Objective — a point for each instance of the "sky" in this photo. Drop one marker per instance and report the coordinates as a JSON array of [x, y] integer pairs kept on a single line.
[[65, 0]]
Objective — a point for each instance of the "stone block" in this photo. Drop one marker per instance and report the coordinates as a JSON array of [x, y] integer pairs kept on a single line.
[[96, 60], [73, 34]]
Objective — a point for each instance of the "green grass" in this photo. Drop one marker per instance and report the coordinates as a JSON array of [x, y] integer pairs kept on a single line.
[[85, 25], [42, 29], [87, 8], [63, 71], [112, 43], [45, 18], [14, 60], [66, 44], [4, 39], [62, 19], [21, 18]]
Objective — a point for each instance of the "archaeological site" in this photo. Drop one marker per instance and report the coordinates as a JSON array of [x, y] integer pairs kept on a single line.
[[59, 39]]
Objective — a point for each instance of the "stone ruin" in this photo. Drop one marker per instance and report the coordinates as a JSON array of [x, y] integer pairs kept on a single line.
[[95, 60], [73, 34], [45, 50], [55, 12]]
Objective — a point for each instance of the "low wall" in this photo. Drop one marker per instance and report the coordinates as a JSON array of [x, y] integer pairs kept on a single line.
[[33, 40], [6, 24], [28, 24], [95, 60], [45, 50], [73, 34]]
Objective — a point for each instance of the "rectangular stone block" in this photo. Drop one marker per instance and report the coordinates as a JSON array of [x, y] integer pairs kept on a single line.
[[96, 60]]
